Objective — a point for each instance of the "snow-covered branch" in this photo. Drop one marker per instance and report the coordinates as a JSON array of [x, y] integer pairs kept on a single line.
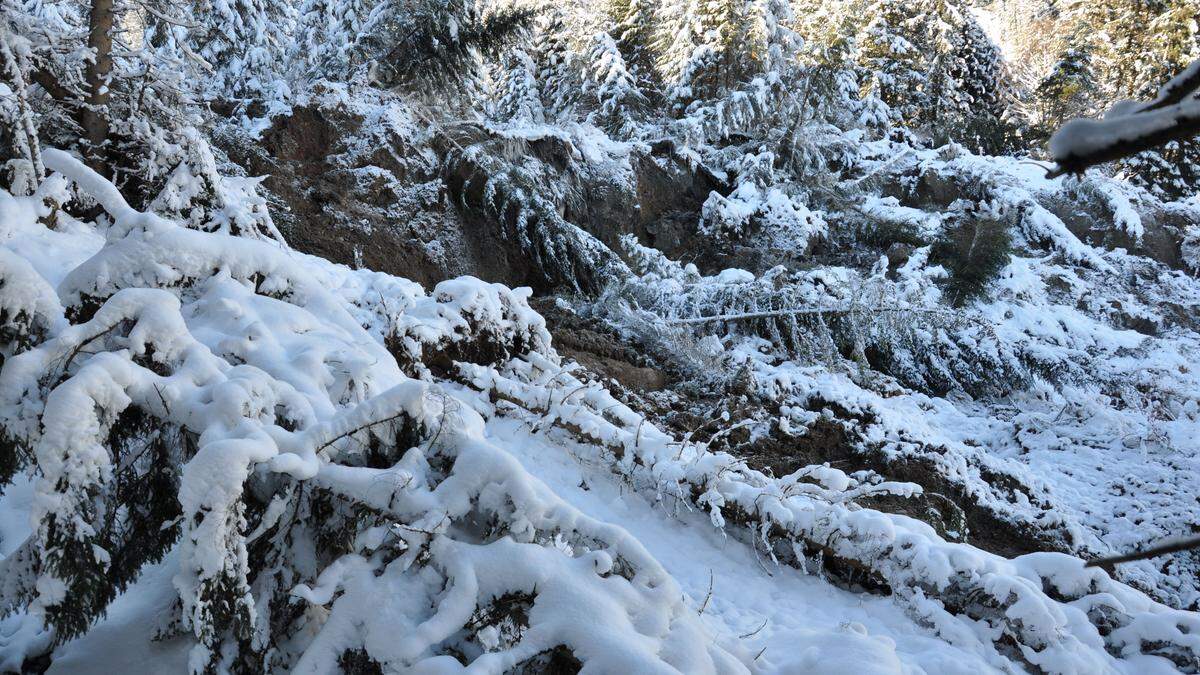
[[1129, 128]]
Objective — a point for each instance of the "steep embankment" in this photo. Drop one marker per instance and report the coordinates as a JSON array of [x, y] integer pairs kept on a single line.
[[364, 473], [1011, 410]]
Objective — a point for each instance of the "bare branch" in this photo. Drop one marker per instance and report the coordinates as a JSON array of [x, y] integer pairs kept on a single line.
[[1174, 547]]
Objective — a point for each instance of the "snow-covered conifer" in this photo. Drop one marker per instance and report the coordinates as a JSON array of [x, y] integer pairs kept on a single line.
[[704, 47], [1069, 90], [436, 46], [328, 35], [619, 100], [633, 30], [519, 94], [196, 193], [244, 42], [559, 66]]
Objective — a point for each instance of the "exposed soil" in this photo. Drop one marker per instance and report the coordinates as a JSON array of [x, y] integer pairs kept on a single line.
[[331, 210]]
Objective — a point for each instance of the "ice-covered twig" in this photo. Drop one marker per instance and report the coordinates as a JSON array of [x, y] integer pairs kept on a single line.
[[806, 311]]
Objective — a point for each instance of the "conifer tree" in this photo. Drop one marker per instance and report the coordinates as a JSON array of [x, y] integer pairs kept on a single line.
[[18, 131], [936, 69], [891, 59], [1134, 47], [619, 101], [1070, 89], [773, 36], [559, 68], [437, 47], [195, 193], [703, 48], [1172, 42], [633, 26], [328, 36], [982, 89], [519, 95], [242, 41]]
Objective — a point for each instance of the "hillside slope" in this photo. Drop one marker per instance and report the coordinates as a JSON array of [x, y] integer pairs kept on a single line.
[[385, 475]]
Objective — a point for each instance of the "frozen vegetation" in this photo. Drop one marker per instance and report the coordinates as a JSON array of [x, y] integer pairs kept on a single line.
[[659, 337]]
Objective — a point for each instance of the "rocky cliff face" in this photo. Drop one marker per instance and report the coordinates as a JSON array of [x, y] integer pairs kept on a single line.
[[402, 195]]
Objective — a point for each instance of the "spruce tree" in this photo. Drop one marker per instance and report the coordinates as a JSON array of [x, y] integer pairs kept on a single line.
[[559, 68], [196, 194], [328, 36], [242, 41], [618, 99], [519, 96], [436, 48], [633, 26], [1070, 89], [891, 59], [1134, 47], [18, 130], [1171, 43], [982, 89], [936, 70], [773, 35], [703, 48]]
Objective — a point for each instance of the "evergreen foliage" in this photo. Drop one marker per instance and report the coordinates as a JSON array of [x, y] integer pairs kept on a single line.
[[520, 97], [432, 45], [1070, 89], [633, 24], [295, 434], [618, 97], [328, 37], [1105, 53], [974, 247], [937, 71], [559, 67]]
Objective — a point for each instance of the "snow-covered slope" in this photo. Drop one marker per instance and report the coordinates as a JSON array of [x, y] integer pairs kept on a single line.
[[359, 469]]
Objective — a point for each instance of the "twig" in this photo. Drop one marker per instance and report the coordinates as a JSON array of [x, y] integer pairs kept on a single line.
[[803, 312], [885, 165], [710, 589], [441, 424], [166, 408], [79, 348], [149, 7], [755, 632], [355, 430]]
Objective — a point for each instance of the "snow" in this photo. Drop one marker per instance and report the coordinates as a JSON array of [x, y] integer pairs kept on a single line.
[[917, 560], [471, 469], [122, 641], [781, 607], [234, 358], [1069, 446]]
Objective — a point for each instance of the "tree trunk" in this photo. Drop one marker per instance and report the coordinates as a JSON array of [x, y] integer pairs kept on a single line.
[[95, 112]]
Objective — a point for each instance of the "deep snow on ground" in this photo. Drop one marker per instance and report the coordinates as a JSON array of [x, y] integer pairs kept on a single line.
[[799, 623]]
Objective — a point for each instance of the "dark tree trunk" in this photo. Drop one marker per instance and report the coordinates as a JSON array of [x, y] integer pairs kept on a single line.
[[94, 116]]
